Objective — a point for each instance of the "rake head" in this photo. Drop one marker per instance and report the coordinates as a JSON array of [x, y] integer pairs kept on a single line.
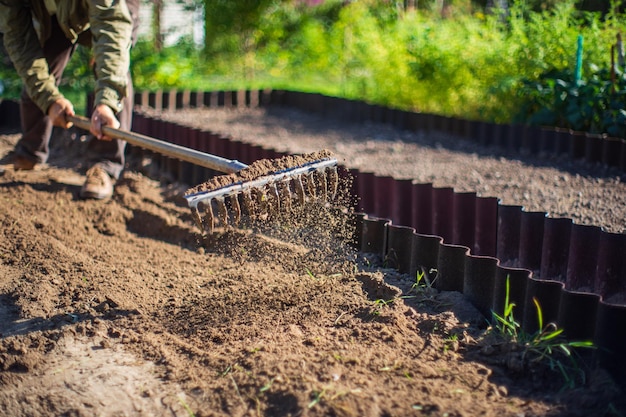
[[264, 189]]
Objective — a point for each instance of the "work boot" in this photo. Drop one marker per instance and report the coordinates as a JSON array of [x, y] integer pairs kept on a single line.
[[23, 164], [98, 184], [20, 163]]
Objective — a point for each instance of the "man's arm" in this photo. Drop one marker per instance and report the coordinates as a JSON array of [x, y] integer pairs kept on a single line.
[[111, 26], [24, 49]]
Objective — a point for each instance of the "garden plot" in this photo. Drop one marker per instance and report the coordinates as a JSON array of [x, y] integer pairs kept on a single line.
[[121, 295]]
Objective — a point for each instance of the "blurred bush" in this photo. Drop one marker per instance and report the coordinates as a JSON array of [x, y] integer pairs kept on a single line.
[[460, 60]]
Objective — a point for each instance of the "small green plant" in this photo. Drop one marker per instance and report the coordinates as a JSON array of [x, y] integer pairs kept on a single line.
[[311, 274], [422, 281], [507, 325], [451, 342], [547, 345], [267, 386], [317, 397], [226, 371], [379, 304], [186, 407], [424, 289]]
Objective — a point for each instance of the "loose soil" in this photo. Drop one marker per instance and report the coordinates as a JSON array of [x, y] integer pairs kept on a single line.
[[121, 308]]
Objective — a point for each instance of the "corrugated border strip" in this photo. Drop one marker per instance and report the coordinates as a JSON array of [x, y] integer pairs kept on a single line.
[[576, 272]]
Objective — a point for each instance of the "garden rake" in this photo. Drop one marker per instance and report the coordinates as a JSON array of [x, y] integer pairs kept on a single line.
[[263, 188]]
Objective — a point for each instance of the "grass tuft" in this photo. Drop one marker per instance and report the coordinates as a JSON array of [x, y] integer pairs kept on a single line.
[[546, 346]]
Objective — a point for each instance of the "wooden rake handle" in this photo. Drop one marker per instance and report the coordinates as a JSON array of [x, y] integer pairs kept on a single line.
[[172, 150]]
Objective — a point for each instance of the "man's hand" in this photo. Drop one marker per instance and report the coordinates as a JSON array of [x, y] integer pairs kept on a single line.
[[59, 112], [103, 116]]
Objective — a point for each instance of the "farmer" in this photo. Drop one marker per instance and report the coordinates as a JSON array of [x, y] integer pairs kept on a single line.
[[40, 37]]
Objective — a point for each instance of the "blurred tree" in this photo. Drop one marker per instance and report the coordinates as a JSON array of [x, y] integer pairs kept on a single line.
[[157, 34], [227, 18], [156, 23]]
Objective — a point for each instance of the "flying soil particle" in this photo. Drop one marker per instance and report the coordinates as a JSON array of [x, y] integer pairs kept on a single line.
[[317, 236]]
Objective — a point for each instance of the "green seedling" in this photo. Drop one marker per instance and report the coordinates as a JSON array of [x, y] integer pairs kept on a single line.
[[507, 325], [424, 288], [450, 341], [547, 345], [237, 389], [423, 282], [420, 281], [225, 371], [317, 397], [379, 304], [310, 274], [186, 407], [267, 386]]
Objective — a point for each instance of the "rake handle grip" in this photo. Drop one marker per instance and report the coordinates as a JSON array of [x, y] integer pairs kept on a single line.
[[165, 148]]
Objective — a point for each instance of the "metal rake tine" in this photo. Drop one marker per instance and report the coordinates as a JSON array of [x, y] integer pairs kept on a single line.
[[310, 184], [196, 216], [248, 203], [209, 218], [333, 177], [261, 198], [234, 203], [285, 193], [222, 211], [323, 186], [275, 197], [297, 183]]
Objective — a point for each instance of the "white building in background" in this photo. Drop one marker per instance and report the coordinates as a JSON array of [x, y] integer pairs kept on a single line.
[[176, 22]]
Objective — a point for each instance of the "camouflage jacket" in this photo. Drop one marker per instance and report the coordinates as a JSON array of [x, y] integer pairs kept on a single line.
[[26, 26]]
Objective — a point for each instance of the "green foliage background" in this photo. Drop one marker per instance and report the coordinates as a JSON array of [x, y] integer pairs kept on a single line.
[[468, 62]]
